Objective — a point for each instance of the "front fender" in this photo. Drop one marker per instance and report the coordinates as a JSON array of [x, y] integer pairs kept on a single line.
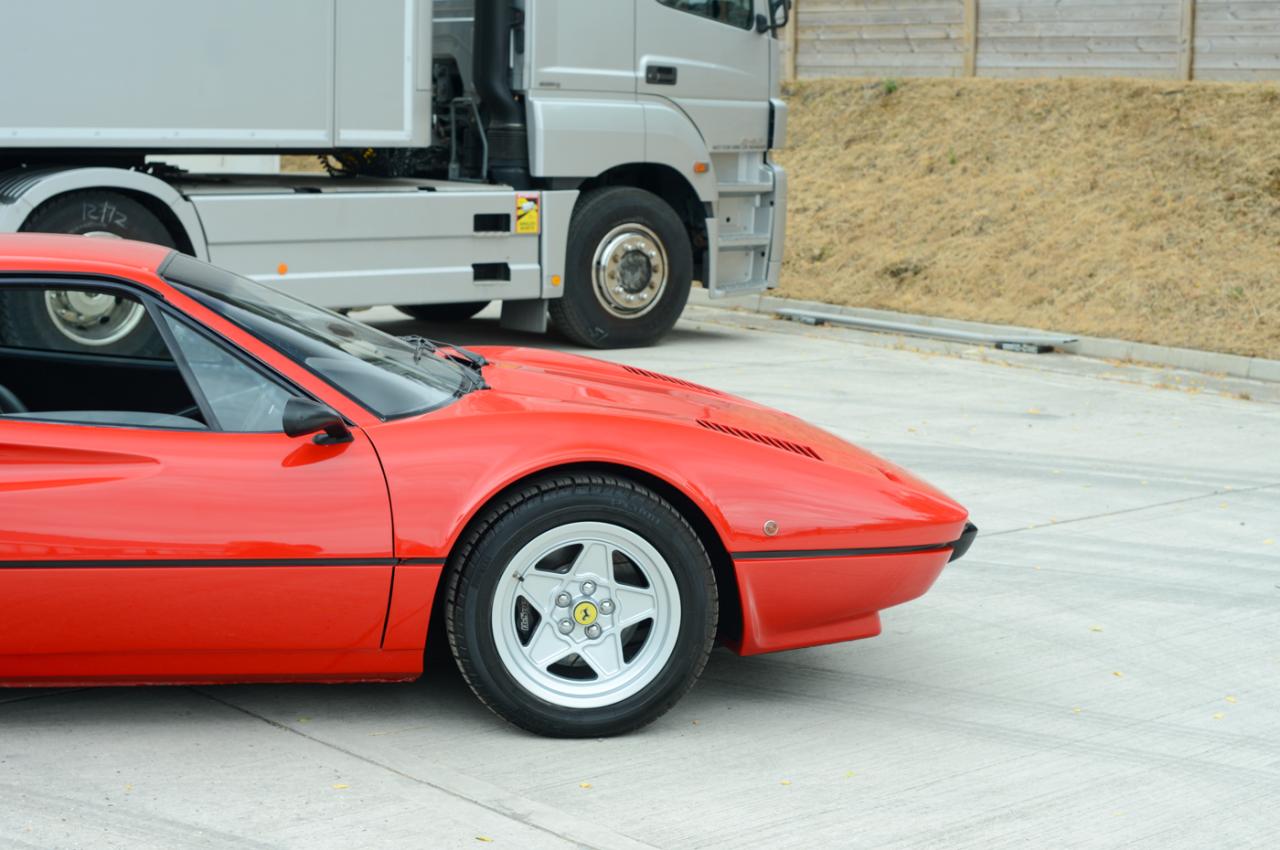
[[441, 473], [585, 137]]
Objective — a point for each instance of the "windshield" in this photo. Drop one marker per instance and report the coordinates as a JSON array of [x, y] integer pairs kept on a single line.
[[390, 377]]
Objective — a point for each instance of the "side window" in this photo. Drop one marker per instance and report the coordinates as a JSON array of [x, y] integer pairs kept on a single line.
[[737, 13], [88, 355], [240, 397]]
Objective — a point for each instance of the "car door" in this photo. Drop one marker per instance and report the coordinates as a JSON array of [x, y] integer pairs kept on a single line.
[[147, 545], [707, 57]]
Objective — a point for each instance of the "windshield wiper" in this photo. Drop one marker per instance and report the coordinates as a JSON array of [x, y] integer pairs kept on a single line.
[[421, 345], [465, 356], [449, 351]]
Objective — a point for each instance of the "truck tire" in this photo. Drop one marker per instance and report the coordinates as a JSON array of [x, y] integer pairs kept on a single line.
[[106, 324], [443, 312], [628, 271]]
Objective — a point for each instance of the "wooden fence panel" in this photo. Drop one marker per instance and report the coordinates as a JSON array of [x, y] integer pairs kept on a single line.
[[880, 38], [1079, 38], [1237, 40], [1167, 39]]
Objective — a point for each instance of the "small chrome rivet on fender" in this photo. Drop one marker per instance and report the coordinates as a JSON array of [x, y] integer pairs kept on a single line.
[[770, 528]]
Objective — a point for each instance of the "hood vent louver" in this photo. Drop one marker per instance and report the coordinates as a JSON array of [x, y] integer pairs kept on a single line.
[[785, 445], [658, 376]]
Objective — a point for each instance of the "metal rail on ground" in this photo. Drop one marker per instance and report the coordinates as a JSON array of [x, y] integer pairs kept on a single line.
[[1014, 342]]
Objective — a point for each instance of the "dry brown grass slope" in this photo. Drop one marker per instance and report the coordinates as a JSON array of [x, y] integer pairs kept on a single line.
[[1148, 211]]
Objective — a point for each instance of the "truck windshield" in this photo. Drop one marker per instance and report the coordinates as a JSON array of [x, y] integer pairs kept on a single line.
[[386, 375]]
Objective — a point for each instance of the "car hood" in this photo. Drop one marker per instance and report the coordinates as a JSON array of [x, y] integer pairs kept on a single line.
[[542, 378]]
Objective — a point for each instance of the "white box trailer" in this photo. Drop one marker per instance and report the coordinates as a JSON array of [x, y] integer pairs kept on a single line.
[[217, 74], [591, 157]]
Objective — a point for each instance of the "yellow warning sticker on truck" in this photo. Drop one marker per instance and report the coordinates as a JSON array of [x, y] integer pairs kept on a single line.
[[527, 218]]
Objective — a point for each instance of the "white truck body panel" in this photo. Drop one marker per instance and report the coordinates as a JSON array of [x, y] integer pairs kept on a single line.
[[152, 74], [365, 242]]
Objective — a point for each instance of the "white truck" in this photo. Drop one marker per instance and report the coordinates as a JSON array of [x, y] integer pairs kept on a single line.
[[589, 159]]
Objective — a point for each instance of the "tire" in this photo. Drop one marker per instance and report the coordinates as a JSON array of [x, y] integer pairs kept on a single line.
[[624, 229], [26, 320], [584, 684], [443, 312]]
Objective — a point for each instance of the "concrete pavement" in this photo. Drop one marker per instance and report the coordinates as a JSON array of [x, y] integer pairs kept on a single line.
[[1102, 669]]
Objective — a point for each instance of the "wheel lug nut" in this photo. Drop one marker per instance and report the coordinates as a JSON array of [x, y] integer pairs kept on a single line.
[[563, 599], [588, 587], [566, 626], [593, 631], [606, 607]]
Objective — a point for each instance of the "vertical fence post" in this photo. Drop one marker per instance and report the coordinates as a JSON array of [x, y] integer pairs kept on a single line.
[[970, 38], [793, 39], [1187, 41]]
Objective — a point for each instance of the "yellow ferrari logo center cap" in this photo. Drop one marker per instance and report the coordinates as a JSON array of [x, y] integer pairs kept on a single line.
[[585, 613]]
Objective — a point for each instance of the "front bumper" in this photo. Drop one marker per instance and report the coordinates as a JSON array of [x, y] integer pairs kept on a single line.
[[796, 600]]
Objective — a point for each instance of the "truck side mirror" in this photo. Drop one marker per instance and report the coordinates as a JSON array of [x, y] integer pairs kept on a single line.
[[774, 22], [303, 416]]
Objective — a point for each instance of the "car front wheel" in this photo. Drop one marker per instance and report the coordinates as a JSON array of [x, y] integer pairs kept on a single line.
[[582, 606]]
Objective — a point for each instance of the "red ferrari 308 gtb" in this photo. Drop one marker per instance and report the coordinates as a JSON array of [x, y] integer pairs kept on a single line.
[[204, 480]]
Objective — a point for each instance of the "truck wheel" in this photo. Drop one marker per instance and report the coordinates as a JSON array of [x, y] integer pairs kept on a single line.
[[581, 606], [75, 319], [628, 272], [443, 312]]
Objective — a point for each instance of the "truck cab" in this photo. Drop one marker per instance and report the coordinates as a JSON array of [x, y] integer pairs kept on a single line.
[[582, 162]]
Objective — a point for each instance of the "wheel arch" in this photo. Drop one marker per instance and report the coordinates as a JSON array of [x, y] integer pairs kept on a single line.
[[672, 187], [731, 614], [27, 191]]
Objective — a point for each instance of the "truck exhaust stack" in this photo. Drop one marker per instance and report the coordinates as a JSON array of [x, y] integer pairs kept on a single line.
[[505, 125]]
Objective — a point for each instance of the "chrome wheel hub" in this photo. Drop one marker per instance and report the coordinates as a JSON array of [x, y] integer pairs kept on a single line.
[[587, 615], [93, 318], [630, 271]]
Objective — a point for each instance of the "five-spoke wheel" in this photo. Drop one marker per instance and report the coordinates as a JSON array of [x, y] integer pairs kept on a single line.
[[588, 614], [584, 605]]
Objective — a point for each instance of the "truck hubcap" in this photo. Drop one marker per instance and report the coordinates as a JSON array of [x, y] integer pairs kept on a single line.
[[587, 614], [92, 318], [630, 271]]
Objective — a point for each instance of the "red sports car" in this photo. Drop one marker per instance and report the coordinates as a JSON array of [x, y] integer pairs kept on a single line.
[[204, 480]]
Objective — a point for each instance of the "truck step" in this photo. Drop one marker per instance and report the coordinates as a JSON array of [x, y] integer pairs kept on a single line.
[[758, 187], [743, 241]]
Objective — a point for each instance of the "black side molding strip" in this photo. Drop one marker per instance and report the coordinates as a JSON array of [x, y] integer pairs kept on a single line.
[[958, 547], [143, 563]]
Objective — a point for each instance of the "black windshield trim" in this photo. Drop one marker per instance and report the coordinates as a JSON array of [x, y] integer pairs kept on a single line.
[[211, 294], [203, 298]]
